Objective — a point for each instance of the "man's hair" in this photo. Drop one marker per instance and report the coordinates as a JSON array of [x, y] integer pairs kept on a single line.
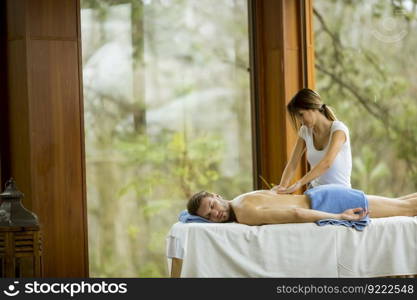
[[195, 201]]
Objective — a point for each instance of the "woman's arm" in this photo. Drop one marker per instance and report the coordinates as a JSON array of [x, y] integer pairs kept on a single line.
[[326, 162], [337, 141], [295, 158]]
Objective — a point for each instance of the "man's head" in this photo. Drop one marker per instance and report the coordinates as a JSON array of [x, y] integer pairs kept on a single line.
[[209, 206]]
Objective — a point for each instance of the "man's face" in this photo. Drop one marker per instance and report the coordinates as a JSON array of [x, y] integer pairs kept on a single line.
[[214, 208]]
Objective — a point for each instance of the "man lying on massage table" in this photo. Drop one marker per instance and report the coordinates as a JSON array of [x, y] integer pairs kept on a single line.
[[334, 202]]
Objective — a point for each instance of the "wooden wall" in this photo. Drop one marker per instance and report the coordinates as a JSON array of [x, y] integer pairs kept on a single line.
[[45, 127], [4, 140], [282, 45]]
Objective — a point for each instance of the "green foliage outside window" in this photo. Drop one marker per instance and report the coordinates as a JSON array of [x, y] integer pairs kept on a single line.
[[365, 69], [167, 114]]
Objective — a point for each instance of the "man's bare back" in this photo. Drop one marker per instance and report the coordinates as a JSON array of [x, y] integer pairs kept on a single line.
[[248, 205]]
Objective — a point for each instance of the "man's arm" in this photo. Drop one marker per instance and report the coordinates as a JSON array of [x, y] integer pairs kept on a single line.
[[261, 216]]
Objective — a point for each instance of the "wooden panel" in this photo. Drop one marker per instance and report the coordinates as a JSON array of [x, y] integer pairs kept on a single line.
[[294, 72], [19, 119], [292, 24], [52, 18], [311, 83], [46, 126], [274, 136], [278, 73], [15, 19], [4, 107], [267, 75], [272, 28], [56, 175]]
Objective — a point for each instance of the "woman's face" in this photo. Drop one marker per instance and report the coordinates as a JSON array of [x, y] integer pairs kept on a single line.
[[307, 117]]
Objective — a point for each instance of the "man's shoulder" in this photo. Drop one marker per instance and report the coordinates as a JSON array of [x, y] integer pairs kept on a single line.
[[254, 194], [244, 207]]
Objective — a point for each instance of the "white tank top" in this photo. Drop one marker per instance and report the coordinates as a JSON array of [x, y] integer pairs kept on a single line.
[[340, 171]]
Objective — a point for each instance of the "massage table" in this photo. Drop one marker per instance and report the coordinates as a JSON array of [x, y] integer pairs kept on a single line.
[[386, 247]]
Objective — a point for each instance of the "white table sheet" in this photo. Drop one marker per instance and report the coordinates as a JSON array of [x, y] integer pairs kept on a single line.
[[388, 246]]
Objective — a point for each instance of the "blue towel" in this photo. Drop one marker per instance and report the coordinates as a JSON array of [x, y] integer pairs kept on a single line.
[[333, 198], [186, 217]]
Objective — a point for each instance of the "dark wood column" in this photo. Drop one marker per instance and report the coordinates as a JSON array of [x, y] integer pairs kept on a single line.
[[281, 50], [4, 140], [45, 126]]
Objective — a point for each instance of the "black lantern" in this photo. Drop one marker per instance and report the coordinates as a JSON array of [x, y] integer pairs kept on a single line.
[[12, 212]]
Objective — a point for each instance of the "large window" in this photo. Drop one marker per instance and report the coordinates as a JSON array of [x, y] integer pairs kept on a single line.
[[167, 114], [366, 61]]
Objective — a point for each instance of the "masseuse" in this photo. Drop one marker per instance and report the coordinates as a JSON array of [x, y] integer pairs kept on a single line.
[[326, 141]]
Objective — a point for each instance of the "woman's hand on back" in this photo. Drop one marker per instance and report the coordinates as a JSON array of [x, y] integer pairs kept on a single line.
[[278, 188], [288, 190]]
